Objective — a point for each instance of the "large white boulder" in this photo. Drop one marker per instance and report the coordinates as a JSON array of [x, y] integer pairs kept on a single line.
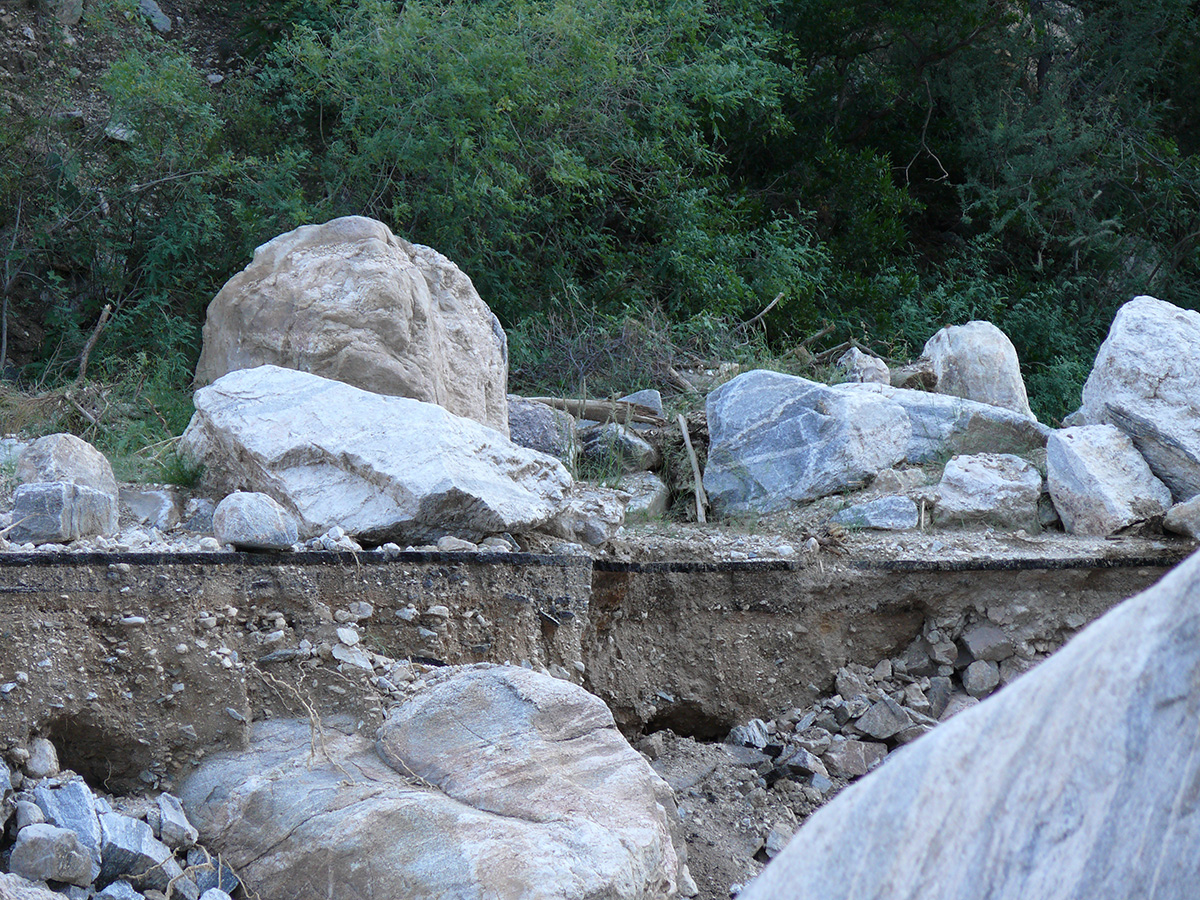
[[977, 361], [499, 784], [1099, 482], [775, 440], [1146, 381], [943, 426], [1074, 781], [382, 468], [349, 300]]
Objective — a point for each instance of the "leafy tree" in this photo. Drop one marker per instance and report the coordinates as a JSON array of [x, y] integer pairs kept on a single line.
[[557, 146]]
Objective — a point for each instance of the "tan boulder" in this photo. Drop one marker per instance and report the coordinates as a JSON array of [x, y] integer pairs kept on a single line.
[[350, 301]]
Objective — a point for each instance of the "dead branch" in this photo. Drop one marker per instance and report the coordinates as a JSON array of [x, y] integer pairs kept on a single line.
[[679, 381], [746, 326], [604, 410], [701, 497], [87, 348]]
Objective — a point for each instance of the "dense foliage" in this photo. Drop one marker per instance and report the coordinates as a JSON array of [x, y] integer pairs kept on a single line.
[[887, 168]]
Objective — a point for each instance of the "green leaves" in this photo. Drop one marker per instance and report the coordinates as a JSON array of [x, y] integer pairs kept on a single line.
[[544, 145]]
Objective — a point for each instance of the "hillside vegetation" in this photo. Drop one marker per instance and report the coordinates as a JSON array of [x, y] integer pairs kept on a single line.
[[623, 182]]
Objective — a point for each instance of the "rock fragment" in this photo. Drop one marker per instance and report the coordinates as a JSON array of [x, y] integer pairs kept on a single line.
[[71, 804], [988, 642], [997, 489], [43, 759], [254, 521], [129, 848], [883, 514], [174, 828], [545, 429], [49, 853]]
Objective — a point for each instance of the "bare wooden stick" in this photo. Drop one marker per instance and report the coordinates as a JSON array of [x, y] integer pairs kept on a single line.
[[87, 348], [679, 381], [701, 497], [745, 326], [604, 410], [813, 338]]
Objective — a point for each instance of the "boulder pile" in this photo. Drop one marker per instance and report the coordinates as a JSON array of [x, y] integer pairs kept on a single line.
[[1130, 453], [1075, 781], [86, 844], [353, 395]]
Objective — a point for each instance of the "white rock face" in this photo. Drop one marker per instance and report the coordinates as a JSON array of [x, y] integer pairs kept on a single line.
[[525, 791], [349, 300], [944, 426], [1099, 482], [1032, 793], [862, 368], [996, 489], [382, 468], [253, 521], [1146, 381], [776, 440], [978, 362]]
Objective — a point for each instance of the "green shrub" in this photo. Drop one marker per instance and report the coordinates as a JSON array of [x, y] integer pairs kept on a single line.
[[559, 148]]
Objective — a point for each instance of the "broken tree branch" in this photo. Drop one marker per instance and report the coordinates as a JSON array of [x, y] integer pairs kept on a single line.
[[604, 410], [701, 497], [745, 326], [91, 342]]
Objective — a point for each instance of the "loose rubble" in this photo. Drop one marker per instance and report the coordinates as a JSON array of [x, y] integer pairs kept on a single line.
[[1027, 791], [57, 832]]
